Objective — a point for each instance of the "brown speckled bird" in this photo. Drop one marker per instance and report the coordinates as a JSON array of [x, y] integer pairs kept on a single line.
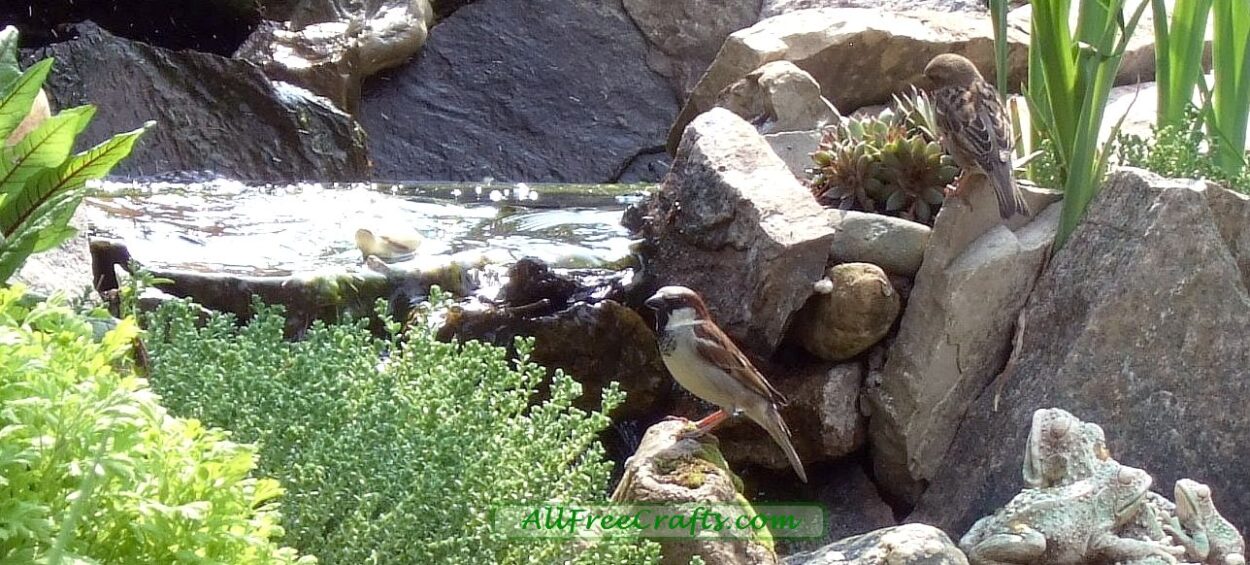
[[975, 128]]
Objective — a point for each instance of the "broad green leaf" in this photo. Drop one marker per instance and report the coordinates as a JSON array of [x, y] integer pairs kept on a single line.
[[46, 147], [18, 98], [13, 252], [85, 166], [9, 69]]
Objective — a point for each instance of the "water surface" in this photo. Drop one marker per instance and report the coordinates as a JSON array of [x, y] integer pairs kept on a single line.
[[228, 226]]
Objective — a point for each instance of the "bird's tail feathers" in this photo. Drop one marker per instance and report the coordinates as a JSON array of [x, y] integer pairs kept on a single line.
[[771, 421], [1010, 198]]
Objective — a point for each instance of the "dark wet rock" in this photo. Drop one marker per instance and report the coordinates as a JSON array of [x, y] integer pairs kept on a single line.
[[732, 223], [213, 26], [530, 280], [957, 331], [648, 166], [857, 56], [908, 544], [1139, 324], [444, 8], [211, 112], [668, 470], [595, 343], [500, 91], [688, 33], [853, 308], [851, 501], [330, 46]]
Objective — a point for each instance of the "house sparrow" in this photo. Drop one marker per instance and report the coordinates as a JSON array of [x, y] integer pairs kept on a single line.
[[975, 128], [705, 362]]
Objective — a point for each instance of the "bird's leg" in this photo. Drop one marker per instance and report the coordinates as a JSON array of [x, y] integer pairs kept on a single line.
[[702, 427], [960, 188]]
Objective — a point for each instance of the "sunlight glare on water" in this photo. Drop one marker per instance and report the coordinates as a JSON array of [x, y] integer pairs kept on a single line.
[[227, 226]]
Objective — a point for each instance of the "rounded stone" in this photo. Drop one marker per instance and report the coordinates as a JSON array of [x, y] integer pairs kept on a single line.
[[853, 308]]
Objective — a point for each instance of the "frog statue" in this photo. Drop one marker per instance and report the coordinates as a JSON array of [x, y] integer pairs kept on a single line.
[[1199, 527], [1070, 524], [1061, 449]]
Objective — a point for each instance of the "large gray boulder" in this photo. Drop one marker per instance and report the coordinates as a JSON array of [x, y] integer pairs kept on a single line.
[[525, 90], [686, 34], [212, 113], [976, 7], [908, 544], [732, 223], [956, 331], [1139, 323], [858, 56]]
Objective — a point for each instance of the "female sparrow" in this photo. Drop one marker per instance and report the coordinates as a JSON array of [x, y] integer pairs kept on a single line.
[[975, 129], [705, 362]]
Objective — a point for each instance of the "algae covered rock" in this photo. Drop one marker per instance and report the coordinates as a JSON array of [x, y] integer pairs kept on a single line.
[[670, 470]]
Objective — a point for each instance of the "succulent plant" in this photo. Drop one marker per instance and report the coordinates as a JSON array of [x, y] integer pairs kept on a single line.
[[889, 164]]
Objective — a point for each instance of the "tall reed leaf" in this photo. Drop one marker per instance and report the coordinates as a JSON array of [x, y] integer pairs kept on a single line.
[[1178, 56], [998, 13], [1070, 80], [1230, 99]]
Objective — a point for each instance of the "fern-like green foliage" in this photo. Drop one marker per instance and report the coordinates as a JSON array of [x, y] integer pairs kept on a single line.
[[41, 179], [393, 450], [1179, 151], [94, 470]]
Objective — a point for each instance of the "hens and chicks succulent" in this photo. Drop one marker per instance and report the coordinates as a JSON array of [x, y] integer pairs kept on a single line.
[[891, 163]]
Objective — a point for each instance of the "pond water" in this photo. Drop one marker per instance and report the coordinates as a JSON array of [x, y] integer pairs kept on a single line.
[[231, 227]]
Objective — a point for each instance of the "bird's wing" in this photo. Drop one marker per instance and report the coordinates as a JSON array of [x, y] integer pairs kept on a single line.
[[976, 125], [713, 345]]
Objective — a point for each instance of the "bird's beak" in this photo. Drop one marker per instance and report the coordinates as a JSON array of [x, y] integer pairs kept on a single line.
[[655, 302]]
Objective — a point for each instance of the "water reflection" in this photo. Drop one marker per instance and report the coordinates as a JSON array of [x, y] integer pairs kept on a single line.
[[226, 226]]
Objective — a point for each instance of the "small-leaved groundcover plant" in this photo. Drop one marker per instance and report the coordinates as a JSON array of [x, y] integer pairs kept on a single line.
[[94, 470], [393, 450]]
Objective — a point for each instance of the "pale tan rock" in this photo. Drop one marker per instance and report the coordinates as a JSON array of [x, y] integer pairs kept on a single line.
[[779, 97], [668, 470], [732, 223], [956, 332], [857, 56]]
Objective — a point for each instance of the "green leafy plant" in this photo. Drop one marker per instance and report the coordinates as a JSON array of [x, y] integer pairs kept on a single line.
[[1070, 78], [1179, 45], [393, 450], [1177, 151], [998, 16], [888, 164], [1229, 100], [93, 469], [41, 181]]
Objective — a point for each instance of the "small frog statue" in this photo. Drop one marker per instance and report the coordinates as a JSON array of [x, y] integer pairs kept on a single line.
[[1071, 524], [1199, 527]]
